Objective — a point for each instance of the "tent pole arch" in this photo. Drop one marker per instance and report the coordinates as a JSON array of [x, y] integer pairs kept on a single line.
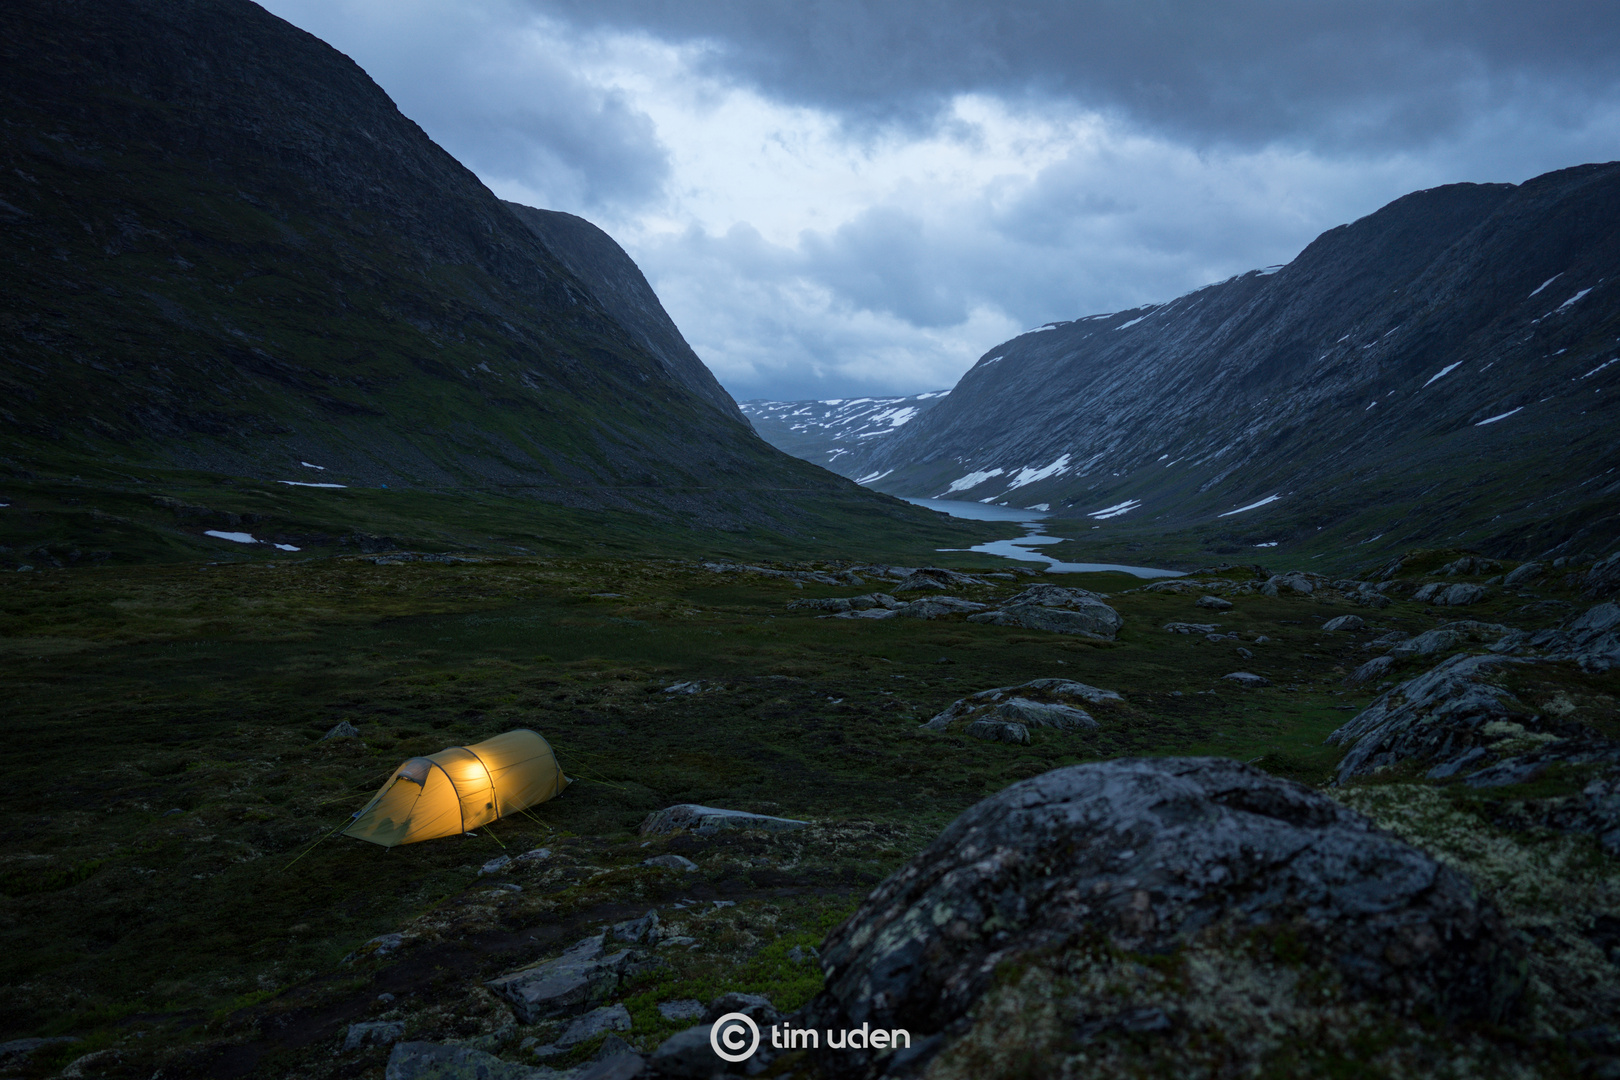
[[489, 778]]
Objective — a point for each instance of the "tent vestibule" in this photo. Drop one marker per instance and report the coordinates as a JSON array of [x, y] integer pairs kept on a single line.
[[459, 789]]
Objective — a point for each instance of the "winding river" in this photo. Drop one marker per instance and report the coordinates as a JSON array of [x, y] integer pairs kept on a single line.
[[1024, 548]]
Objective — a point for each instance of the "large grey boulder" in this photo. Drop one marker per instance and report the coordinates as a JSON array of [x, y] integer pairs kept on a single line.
[[1148, 856], [1037, 703], [1448, 636], [1437, 718], [1295, 582], [935, 606], [1002, 731], [1345, 622], [1442, 595], [1056, 609], [934, 578], [580, 978], [707, 820], [1527, 572], [596, 1022], [373, 1033]]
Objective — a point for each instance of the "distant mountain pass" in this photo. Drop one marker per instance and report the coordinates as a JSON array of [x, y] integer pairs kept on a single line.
[[836, 433]]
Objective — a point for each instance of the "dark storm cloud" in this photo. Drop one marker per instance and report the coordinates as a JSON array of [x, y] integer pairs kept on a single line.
[[1324, 73]]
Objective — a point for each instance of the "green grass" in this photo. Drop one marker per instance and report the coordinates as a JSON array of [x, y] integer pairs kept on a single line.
[[164, 727]]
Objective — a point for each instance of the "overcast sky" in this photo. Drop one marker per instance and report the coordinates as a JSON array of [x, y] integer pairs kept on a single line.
[[846, 197]]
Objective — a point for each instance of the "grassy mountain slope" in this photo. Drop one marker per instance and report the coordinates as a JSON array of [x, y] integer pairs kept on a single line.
[[228, 254]]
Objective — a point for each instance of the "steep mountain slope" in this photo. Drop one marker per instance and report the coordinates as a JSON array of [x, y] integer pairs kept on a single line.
[[1443, 368], [227, 252], [833, 432], [614, 279]]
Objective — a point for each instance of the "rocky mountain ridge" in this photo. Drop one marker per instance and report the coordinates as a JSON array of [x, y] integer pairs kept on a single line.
[[837, 430], [1445, 368]]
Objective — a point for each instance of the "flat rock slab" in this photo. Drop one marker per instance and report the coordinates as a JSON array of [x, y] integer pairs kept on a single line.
[[1247, 678], [596, 1022], [1037, 703], [1214, 603], [580, 977], [374, 1033], [711, 819], [1345, 622], [1085, 616], [1151, 854]]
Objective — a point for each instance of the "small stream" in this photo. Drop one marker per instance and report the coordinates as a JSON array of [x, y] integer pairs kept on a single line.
[[1024, 548]]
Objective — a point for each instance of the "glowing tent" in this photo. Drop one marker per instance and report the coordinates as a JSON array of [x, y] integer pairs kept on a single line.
[[459, 789]]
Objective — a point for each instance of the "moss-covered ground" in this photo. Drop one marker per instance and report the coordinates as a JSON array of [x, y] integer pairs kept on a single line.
[[169, 899]]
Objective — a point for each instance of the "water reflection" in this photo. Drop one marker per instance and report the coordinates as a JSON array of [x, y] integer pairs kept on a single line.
[[1024, 548]]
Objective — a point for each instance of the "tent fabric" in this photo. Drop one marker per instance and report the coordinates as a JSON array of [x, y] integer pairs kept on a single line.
[[459, 789]]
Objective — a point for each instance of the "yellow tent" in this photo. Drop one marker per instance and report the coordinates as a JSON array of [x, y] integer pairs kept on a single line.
[[459, 789]]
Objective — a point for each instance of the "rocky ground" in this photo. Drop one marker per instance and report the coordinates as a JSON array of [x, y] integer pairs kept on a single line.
[[1241, 823]]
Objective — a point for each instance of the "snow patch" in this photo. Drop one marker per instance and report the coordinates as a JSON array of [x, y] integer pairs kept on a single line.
[[286, 547], [1442, 373], [300, 483], [1600, 367], [1251, 506], [1268, 543], [871, 478], [1546, 283], [1027, 475], [307, 465], [1500, 416], [935, 394], [971, 480], [1043, 507], [234, 537], [1133, 322], [1269, 270], [1572, 299], [990, 361], [1114, 511], [1038, 329]]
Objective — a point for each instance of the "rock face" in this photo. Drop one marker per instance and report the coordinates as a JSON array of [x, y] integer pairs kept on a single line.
[[578, 979], [707, 820], [1150, 855], [1442, 595], [1055, 703], [1447, 716], [1060, 610], [999, 731]]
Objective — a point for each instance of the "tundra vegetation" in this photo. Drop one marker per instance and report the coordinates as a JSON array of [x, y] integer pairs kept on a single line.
[[169, 902]]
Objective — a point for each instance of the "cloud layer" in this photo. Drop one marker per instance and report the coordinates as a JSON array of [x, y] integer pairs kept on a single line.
[[855, 197]]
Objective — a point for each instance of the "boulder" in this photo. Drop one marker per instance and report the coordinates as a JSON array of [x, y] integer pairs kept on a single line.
[[342, 730], [1460, 595], [1296, 582], [999, 731], [935, 578], [642, 931], [866, 602], [432, 1061], [1371, 671], [1039, 703], [495, 865], [596, 1022], [1603, 579], [1435, 718], [578, 979], [757, 1007], [1152, 856], [688, 1055], [671, 862], [1190, 628], [1524, 572], [374, 1033], [1096, 619], [1057, 596], [1345, 622], [1471, 566], [1020, 710], [935, 606], [1448, 636], [707, 820], [1214, 603], [1248, 679]]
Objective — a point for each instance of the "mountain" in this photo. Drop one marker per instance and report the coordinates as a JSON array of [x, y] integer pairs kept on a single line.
[[1442, 370], [838, 430], [229, 258]]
